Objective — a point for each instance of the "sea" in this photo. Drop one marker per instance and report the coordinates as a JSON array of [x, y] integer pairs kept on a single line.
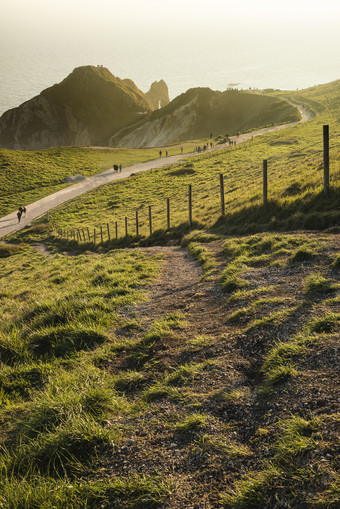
[[218, 62]]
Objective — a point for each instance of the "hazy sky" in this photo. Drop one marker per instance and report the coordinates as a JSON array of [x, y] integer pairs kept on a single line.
[[262, 43], [18, 16]]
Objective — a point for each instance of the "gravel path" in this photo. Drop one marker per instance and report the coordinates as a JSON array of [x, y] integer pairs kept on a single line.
[[9, 223]]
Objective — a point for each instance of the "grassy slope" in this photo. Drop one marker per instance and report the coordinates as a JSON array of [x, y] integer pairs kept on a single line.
[[229, 112], [295, 162], [90, 99], [27, 175], [100, 409], [163, 415], [119, 102]]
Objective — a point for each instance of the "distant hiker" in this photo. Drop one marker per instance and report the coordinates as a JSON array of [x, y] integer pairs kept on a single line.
[[166, 153], [24, 211], [21, 209], [120, 167], [160, 153], [181, 150], [19, 215]]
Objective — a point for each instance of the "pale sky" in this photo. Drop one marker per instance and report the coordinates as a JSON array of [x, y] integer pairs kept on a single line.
[[18, 16], [263, 43]]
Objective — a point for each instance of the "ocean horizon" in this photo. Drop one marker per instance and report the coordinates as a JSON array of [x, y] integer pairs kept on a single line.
[[30, 68]]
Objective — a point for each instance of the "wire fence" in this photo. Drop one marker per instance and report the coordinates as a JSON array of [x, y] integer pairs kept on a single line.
[[215, 198]]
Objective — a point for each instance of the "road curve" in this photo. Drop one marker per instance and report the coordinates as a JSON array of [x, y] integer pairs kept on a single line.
[[9, 224]]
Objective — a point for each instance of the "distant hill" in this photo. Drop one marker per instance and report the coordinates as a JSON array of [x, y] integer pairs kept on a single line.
[[85, 108], [93, 107], [201, 111]]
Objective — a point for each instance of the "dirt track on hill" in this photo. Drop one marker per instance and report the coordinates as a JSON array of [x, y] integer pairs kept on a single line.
[[232, 357], [9, 224]]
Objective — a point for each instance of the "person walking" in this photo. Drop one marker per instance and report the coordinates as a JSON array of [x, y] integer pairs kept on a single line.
[[19, 213]]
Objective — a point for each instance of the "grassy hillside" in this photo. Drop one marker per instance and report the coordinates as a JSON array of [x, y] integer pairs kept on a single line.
[[98, 100], [201, 111], [86, 108], [28, 175], [223, 389], [169, 377], [295, 182]]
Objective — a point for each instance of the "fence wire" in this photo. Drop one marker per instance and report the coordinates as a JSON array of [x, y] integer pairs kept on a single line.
[[174, 207]]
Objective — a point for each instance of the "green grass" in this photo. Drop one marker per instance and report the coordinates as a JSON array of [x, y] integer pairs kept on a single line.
[[296, 198], [7, 250], [134, 492], [224, 409], [202, 254], [57, 310], [272, 484], [28, 175], [327, 324], [192, 425], [184, 374], [336, 263], [130, 381], [302, 255], [279, 362], [316, 285]]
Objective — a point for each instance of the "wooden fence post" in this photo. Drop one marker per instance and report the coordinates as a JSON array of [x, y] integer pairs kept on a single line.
[[88, 234], [126, 226], [150, 220], [265, 182], [84, 238], [116, 226], [190, 205], [94, 235], [168, 213], [222, 194], [326, 159], [101, 234], [108, 230], [137, 229]]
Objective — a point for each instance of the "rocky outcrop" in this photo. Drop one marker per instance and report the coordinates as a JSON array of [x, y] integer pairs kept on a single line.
[[86, 108], [93, 107], [201, 111], [158, 94]]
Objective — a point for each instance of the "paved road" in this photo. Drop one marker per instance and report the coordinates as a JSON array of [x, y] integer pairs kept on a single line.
[[9, 223]]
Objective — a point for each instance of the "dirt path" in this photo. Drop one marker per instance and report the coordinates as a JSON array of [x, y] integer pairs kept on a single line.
[[9, 224], [225, 388], [180, 289]]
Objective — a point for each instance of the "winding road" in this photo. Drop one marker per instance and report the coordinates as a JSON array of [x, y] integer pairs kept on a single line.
[[9, 224]]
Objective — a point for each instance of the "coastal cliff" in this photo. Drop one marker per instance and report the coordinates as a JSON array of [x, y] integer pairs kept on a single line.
[[201, 111], [93, 107], [158, 94], [86, 108]]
